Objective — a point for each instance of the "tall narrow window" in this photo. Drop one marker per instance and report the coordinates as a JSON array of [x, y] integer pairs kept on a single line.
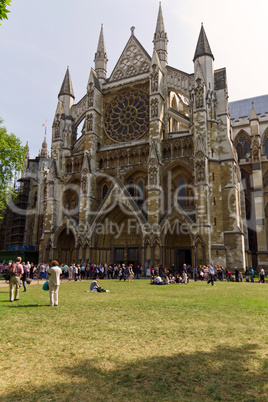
[[131, 188], [140, 195], [181, 192], [104, 191]]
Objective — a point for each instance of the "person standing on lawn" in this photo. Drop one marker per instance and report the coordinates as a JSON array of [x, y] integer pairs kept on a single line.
[[54, 274], [211, 274], [252, 273], [16, 271], [24, 278]]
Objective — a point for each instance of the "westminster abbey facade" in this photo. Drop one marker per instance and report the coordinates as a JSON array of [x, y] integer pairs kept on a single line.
[[150, 166]]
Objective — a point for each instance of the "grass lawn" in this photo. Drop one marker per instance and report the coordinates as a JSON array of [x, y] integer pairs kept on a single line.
[[137, 343]]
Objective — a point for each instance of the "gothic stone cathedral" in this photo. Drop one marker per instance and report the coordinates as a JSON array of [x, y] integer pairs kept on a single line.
[[145, 167]]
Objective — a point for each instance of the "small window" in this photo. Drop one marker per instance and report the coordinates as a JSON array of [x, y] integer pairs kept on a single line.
[[215, 222], [214, 201], [213, 176]]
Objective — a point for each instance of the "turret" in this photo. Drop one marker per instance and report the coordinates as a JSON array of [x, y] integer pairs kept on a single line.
[[203, 60], [101, 57], [160, 38], [66, 94]]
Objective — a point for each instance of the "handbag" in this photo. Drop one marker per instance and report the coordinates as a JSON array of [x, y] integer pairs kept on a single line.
[[28, 281], [46, 286]]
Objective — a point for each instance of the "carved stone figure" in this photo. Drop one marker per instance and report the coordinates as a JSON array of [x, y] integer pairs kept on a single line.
[[154, 107], [200, 170], [255, 150], [57, 127], [84, 185], [154, 79], [90, 95], [199, 97], [90, 122]]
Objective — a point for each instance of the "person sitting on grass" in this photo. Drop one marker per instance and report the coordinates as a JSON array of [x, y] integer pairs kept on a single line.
[[167, 281], [158, 281], [94, 287]]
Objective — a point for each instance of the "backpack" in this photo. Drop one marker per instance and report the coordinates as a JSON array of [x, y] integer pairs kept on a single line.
[[14, 269]]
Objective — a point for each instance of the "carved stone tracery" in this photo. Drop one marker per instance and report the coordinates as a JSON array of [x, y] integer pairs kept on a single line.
[[133, 62], [127, 116]]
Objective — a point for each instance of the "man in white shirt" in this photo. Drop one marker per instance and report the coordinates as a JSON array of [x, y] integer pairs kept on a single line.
[[158, 280], [54, 274]]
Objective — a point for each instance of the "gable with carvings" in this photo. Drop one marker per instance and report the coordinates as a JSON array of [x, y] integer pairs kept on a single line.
[[133, 61]]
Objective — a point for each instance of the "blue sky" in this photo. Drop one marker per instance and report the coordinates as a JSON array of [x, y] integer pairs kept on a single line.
[[41, 38]]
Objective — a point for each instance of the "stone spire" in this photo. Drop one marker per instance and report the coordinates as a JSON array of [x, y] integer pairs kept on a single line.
[[202, 47], [253, 114], [101, 57], [66, 94], [67, 88], [160, 38], [43, 152]]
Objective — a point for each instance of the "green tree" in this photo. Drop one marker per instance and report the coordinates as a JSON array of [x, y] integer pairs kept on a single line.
[[12, 156], [3, 9]]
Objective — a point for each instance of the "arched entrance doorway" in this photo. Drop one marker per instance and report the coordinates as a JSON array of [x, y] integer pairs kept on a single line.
[[65, 247], [117, 239], [178, 245]]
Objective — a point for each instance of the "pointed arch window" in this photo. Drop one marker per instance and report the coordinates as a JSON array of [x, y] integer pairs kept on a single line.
[[243, 147], [104, 191], [140, 195]]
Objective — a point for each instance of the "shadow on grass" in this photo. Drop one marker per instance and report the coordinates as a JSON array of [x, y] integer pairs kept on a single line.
[[28, 305], [224, 373]]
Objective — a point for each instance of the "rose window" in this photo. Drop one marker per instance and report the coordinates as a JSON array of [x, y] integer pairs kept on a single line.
[[127, 116]]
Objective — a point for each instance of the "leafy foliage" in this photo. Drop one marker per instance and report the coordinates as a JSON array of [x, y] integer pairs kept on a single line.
[[3, 9], [12, 155]]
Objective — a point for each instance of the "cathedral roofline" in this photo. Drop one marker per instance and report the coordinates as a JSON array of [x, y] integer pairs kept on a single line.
[[242, 108]]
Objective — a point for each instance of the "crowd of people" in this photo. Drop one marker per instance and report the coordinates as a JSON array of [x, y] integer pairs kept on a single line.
[[20, 273], [124, 272]]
